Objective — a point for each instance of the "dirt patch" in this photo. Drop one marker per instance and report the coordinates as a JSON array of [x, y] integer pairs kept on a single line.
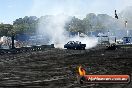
[[57, 68]]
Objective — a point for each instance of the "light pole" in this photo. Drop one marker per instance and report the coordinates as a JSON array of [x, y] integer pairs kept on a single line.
[[126, 28]]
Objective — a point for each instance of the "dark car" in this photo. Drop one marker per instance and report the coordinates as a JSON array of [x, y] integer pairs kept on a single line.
[[75, 45]]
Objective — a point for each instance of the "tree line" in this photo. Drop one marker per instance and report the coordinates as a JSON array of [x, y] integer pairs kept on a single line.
[[92, 22]]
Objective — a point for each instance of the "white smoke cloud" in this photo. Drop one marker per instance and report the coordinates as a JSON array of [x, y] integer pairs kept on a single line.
[[89, 41], [54, 28]]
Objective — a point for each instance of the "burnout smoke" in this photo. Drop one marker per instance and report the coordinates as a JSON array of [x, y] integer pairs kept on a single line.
[[89, 41], [53, 27]]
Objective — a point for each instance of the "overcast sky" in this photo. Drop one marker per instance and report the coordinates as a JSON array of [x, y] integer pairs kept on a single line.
[[13, 9]]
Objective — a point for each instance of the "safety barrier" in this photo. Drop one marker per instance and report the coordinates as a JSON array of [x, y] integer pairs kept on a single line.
[[25, 49]]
